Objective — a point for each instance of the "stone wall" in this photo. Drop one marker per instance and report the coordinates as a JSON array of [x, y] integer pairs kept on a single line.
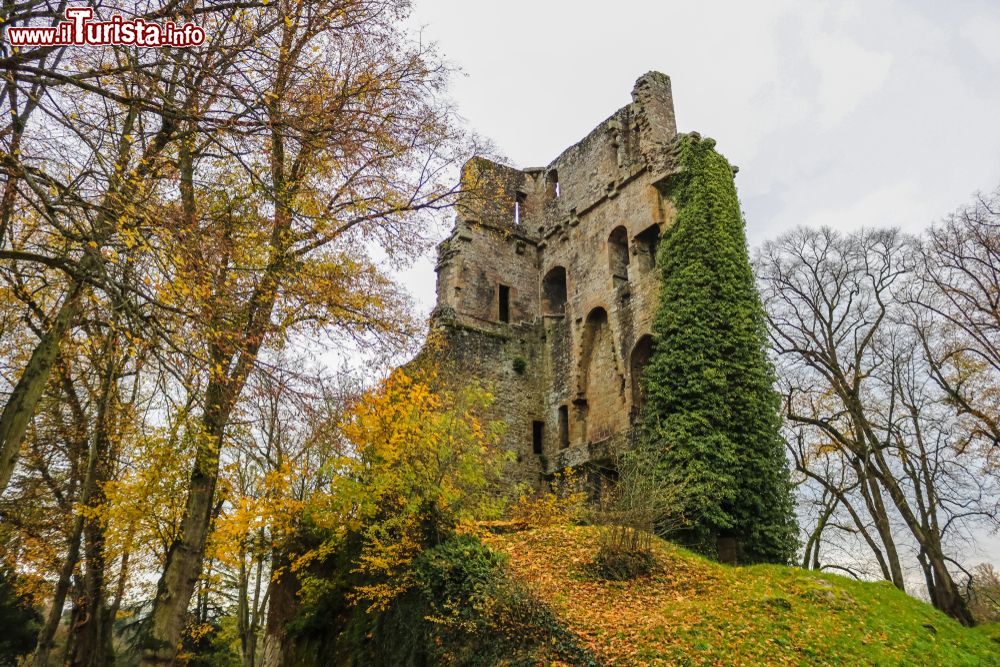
[[547, 285]]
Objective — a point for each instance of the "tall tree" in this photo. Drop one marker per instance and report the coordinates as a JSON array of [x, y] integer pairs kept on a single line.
[[956, 306], [858, 388], [87, 141], [711, 406], [349, 141]]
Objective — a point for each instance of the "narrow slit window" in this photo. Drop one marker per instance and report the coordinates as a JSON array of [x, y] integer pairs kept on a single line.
[[503, 309], [552, 184], [537, 436], [519, 199], [563, 426]]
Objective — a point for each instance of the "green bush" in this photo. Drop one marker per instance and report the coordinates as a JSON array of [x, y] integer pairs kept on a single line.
[[463, 609], [19, 622], [645, 498], [206, 646], [520, 365], [481, 616], [617, 564]]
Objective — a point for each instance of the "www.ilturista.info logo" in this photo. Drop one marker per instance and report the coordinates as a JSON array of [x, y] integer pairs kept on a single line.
[[78, 29]]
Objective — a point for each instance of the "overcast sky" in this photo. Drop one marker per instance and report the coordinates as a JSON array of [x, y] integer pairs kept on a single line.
[[843, 114]]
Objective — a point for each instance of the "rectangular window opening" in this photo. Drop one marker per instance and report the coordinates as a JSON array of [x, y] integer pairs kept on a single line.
[[537, 435], [504, 305], [563, 426], [519, 200], [552, 184]]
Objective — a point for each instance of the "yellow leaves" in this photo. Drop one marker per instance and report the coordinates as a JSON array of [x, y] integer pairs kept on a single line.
[[346, 291], [144, 503], [827, 447], [272, 508], [419, 458], [615, 620], [564, 502]]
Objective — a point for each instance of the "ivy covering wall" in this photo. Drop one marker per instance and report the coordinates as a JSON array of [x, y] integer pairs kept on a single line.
[[711, 410]]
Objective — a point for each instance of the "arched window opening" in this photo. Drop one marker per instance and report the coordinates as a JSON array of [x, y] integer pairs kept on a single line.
[[641, 354], [600, 378], [618, 253], [647, 242], [554, 291]]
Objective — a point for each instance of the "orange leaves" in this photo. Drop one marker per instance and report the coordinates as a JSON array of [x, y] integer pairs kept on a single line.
[[624, 623]]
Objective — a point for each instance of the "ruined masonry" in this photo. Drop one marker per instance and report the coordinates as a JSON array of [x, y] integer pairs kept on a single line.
[[546, 288]]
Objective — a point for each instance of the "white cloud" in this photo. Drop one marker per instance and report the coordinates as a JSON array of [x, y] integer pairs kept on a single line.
[[890, 205], [984, 34], [848, 75]]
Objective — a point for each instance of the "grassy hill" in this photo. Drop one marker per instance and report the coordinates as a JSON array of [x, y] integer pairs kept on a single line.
[[695, 612]]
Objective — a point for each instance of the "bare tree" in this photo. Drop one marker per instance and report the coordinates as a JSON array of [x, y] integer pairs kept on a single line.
[[858, 396], [955, 305]]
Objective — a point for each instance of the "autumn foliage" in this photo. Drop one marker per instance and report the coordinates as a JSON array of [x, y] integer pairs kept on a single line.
[[416, 465]]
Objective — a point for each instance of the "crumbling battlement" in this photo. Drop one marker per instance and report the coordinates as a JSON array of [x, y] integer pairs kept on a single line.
[[547, 287]]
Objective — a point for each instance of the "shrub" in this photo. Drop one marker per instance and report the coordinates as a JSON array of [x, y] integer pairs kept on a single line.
[[480, 615], [645, 499], [420, 462], [205, 645], [562, 502], [520, 365], [469, 591], [619, 564], [19, 621]]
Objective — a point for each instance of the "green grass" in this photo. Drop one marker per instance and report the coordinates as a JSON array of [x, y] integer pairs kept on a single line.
[[695, 612]]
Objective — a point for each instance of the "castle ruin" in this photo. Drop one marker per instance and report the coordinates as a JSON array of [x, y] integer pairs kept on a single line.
[[547, 287]]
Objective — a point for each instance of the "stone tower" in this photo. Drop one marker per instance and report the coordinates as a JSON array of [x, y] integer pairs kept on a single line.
[[546, 288]]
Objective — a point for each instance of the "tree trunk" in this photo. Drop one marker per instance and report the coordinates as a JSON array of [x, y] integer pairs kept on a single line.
[[91, 641], [876, 506], [281, 609], [250, 658], [946, 597], [90, 483], [48, 631], [184, 558], [92, 644], [810, 558], [23, 400]]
